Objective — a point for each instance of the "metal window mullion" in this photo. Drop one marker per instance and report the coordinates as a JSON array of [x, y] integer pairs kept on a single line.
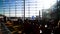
[[3, 8], [9, 9], [36, 7], [29, 10], [15, 8], [39, 13], [24, 11]]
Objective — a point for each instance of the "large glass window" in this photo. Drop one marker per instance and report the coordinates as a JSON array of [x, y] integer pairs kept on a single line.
[[15, 8]]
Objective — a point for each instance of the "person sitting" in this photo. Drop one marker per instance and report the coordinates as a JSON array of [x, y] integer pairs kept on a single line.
[[9, 25]]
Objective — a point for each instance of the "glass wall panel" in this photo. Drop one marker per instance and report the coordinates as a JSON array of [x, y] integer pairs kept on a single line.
[[15, 8]]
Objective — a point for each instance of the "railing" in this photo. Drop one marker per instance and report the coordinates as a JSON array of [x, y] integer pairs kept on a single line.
[[4, 29]]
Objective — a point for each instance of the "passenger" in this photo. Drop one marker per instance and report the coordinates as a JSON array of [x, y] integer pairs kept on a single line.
[[27, 27], [57, 30], [20, 21], [9, 25]]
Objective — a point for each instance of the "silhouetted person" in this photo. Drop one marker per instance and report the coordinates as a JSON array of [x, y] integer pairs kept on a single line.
[[20, 21], [5, 19], [57, 30], [27, 27]]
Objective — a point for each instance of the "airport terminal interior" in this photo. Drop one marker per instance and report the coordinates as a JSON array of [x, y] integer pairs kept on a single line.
[[29, 16]]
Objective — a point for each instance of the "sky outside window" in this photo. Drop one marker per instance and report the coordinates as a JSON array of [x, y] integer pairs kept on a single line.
[[32, 7]]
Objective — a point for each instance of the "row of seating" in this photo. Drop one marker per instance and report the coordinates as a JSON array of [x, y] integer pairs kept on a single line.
[[33, 27]]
